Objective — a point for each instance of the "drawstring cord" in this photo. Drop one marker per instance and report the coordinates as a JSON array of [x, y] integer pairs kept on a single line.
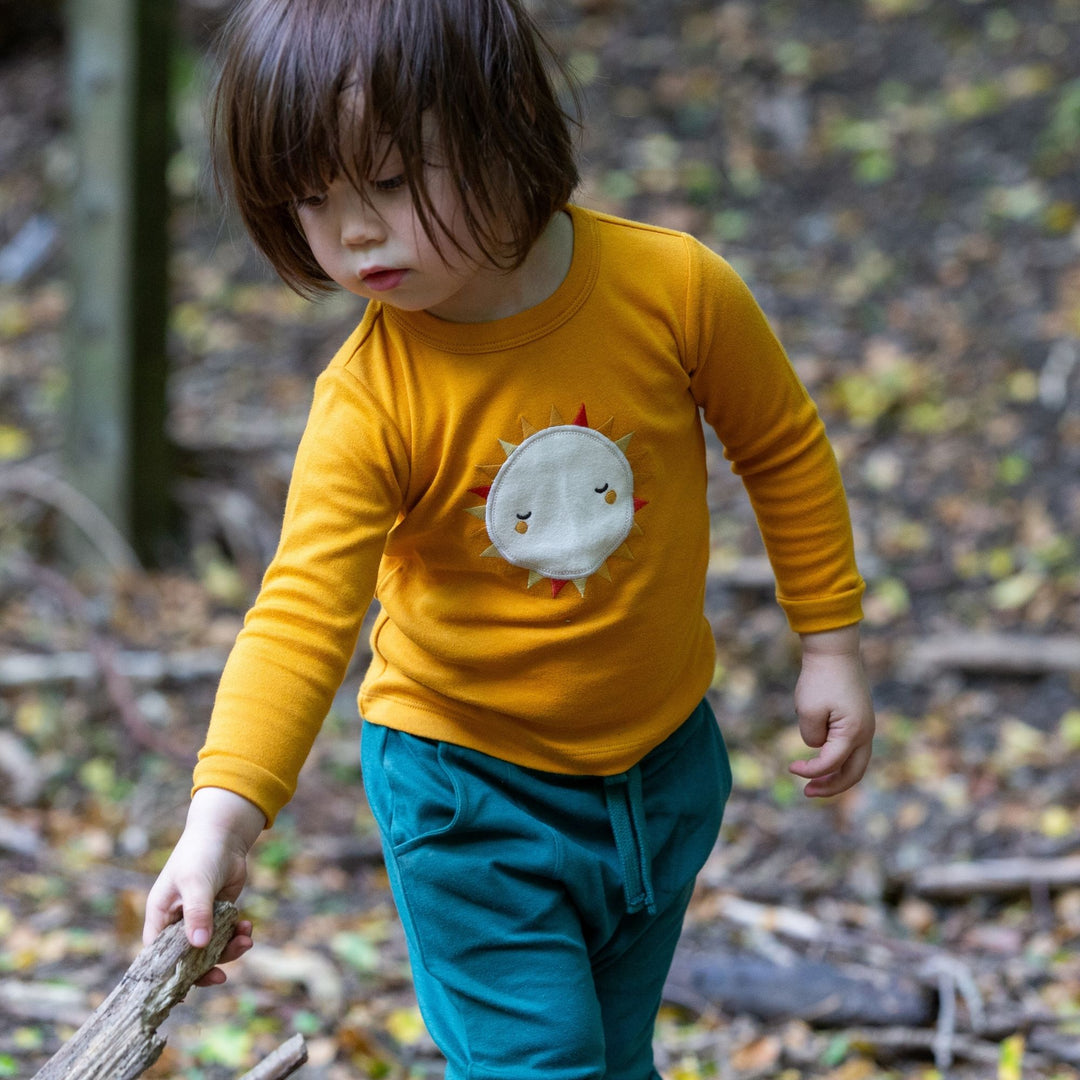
[[623, 796]]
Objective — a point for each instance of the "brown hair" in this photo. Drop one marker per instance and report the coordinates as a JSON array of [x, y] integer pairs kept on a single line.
[[480, 68]]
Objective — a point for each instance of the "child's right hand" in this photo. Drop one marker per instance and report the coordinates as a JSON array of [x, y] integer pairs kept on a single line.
[[208, 863]]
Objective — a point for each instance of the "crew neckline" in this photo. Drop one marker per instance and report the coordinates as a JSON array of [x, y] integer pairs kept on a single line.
[[533, 322]]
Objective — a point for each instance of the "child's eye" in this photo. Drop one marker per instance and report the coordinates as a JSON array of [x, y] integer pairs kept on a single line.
[[390, 183], [310, 202]]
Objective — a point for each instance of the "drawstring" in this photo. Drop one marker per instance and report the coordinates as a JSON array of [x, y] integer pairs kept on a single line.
[[622, 793]]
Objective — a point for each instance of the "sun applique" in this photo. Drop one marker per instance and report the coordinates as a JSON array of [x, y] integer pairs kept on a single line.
[[562, 503]]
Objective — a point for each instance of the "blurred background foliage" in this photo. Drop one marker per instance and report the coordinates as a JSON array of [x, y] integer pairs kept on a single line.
[[899, 182]]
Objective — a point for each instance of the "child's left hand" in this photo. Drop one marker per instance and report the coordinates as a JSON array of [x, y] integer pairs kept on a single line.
[[836, 713]]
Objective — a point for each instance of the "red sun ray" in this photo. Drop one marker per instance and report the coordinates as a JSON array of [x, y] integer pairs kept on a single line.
[[483, 492], [556, 587], [639, 503], [581, 420]]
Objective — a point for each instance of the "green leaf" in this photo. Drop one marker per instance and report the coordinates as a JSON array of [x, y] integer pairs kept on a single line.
[[357, 950], [837, 1050], [225, 1045], [307, 1023], [1013, 469], [276, 852]]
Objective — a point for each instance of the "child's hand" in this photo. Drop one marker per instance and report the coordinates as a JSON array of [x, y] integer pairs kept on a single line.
[[836, 713], [208, 863]]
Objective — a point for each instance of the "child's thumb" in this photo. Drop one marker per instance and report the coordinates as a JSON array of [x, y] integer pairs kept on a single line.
[[198, 921]]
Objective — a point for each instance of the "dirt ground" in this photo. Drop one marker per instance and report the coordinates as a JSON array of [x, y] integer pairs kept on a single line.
[[899, 182]]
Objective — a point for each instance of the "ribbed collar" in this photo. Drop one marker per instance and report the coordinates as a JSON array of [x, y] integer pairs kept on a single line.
[[525, 326]]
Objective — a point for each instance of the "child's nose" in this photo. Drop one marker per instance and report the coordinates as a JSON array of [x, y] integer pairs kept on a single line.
[[360, 223]]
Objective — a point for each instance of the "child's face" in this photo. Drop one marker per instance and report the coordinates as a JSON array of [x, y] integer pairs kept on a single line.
[[374, 245]]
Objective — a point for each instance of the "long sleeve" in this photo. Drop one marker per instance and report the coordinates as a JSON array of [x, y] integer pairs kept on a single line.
[[776, 442], [299, 636]]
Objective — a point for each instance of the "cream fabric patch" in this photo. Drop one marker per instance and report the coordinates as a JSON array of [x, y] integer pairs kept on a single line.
[[561, 503]]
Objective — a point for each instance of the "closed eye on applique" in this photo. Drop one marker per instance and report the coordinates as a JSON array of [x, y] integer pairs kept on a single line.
[[601, 490]]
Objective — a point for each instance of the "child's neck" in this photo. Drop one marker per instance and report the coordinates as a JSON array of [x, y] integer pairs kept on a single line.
[[505, 293]]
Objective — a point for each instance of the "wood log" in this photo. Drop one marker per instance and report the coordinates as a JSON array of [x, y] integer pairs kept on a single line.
[[120, 1040], [822, 994], [284, 1061], [991, 654], [994, 877]]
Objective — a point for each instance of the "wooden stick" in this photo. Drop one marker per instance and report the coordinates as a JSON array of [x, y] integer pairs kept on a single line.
[[284, 1061], [994, 876], [22, 670], [120, 1041], [992, 654]]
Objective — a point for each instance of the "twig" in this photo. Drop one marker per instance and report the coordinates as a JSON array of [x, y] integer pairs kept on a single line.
[[117, 686], [120, 1040], [81, 511], [896, 1040], [284, 1061]]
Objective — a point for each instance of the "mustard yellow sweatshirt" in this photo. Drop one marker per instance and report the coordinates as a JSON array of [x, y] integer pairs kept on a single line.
[[526, 499]]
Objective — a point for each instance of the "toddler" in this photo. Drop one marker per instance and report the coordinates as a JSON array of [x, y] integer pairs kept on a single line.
[[507, 453]]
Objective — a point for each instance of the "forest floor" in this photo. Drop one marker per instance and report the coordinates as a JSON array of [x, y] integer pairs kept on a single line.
[[899, 182]]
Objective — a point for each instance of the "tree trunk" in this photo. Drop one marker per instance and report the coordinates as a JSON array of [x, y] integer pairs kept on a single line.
[[117, 452]]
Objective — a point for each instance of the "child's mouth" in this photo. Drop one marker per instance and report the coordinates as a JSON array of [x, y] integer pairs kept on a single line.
[[383, 280]]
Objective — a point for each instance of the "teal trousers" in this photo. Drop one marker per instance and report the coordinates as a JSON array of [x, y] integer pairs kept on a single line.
[[542, 910]]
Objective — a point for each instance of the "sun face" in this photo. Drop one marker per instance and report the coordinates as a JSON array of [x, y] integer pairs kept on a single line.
[[561, 503]]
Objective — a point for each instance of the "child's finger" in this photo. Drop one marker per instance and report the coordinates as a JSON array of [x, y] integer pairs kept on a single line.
[[831, 757], [159, 914], [849, 772], [237, 946]]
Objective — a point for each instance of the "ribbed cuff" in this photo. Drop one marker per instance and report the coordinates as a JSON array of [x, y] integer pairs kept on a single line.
[[813, 616]]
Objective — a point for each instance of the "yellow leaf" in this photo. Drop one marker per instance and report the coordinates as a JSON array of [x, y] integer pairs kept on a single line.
[[1056, 822], [1069, 729], [686, 1068], [858, 1068], [1011, 1058], [406, 1026], [749, 773], [1014, 592], [14, 443]]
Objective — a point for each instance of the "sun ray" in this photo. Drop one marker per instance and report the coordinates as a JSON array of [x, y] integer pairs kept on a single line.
[[606, 428], [491, 552], [477, 511], [604, 572], [625, 553], [526, 428], [534, 577], [624, 442], [556, 418], [490, 471], [508, 447], [579, 584]]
